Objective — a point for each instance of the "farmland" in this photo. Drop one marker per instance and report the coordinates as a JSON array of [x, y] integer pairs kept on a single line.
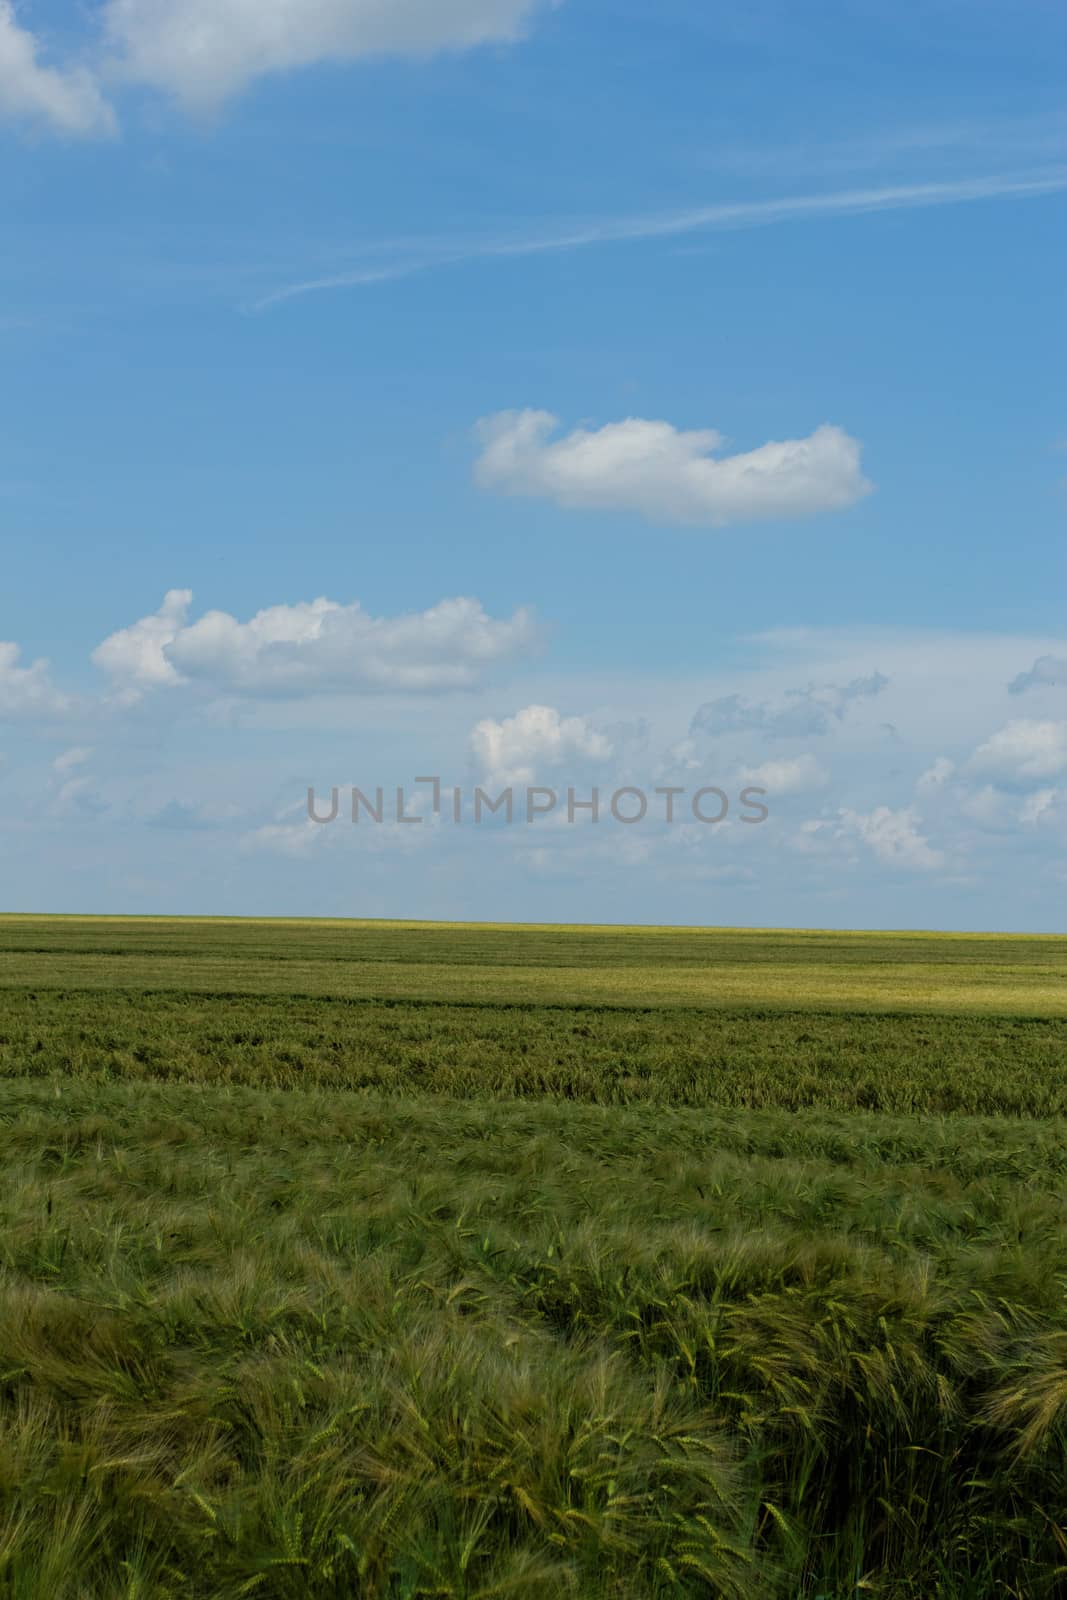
[[424, 1260]]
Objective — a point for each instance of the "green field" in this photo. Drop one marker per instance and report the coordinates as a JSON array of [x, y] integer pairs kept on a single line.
[[418, 1260]]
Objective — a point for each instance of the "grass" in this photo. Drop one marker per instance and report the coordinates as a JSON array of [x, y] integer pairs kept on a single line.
[[1012, 1066], [312, 1290]]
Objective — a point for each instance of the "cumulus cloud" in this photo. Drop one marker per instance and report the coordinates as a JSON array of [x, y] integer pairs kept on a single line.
[[936, 776], [204, 51], [27, 691], [1023, 752], [892, 836], [666, 474], [515, 750], [317, 646], [1039, 807], [1045, 672], [805, 712], [134, 657], [67, 100], [798, 776]]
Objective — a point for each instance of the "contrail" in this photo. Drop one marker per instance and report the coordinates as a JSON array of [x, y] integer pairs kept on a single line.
[[742, 214]]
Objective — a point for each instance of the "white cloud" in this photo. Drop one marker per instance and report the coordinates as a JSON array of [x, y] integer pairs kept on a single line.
[[998, 811], [666, 474], [515, 750], [1045, 672], [67, 100], [798, 776], [936, 776], [313, 647], [1023, 751], [1039, 807], [134, 656], [27, 691], [204, 51], [893, 836]]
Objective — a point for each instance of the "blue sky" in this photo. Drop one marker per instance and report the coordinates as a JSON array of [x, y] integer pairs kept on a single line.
[[711, 355]]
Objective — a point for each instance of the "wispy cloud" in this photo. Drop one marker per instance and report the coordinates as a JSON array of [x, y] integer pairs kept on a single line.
[[733, 215], [1016, 142]]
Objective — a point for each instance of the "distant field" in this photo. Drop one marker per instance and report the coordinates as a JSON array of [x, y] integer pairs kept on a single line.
[[411, 1261], [632, 967], [845, 1021]]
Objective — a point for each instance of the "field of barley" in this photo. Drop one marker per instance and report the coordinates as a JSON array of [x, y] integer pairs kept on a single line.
[[403, 1261]]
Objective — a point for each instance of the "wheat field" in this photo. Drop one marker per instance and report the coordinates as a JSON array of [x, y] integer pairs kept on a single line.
[[415, 1260]]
